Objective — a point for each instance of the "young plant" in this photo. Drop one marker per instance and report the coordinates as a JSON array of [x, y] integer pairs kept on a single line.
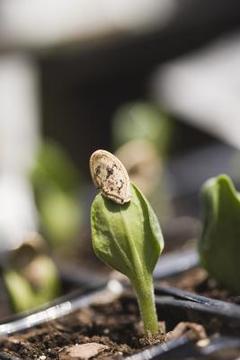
[[25, 294], [219, 246], [30, 276], [125, 231]]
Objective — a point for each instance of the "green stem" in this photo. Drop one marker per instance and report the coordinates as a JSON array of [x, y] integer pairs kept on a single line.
[[146, 302]]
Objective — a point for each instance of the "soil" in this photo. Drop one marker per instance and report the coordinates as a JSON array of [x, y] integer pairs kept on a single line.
[[116, 326], [198, 281]]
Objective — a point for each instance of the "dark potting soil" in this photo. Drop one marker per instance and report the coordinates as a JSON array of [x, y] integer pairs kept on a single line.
[[198, 281], [115, 325]]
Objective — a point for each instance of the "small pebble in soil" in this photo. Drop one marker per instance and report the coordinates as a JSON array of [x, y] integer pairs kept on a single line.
[[42, 357], [82, 352], [203, 342]]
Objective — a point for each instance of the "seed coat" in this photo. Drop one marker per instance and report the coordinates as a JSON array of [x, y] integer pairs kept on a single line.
[[110, 176]]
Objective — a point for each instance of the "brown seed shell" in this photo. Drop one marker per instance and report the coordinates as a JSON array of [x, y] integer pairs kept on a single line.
[[110, 176]]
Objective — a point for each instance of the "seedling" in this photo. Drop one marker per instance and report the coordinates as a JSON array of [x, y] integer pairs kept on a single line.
[[219, 245], [30, 276], [25, 294], [125, 231]]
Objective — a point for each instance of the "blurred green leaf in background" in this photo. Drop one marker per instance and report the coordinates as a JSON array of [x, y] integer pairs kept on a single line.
[[56, 184], [219, 245]]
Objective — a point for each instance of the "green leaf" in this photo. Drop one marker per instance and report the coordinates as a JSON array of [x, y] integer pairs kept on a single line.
[[20, 292], [126, 237], [219, 246]]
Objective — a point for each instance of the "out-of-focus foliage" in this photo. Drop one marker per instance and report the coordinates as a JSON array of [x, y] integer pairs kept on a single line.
[[142, 134], [142, 162], [26, 293], [60, 216], [56, 184], [219, 245], [31, 277], [54, 169], [142, 121]]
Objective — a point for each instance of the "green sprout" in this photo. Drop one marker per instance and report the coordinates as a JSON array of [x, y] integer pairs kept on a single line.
[[125, 233], [30, 276], [25, 294], [219, 246]]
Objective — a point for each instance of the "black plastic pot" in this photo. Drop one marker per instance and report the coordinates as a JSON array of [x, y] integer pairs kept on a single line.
[[183, 348], [182, 305]]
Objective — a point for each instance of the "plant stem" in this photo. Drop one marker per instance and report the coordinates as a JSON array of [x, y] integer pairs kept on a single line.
[[146, 302]]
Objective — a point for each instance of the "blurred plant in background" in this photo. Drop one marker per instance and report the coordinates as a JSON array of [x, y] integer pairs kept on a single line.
[[56, 184], [142, 121], [142, 136], [30, 276], [219, 245]]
